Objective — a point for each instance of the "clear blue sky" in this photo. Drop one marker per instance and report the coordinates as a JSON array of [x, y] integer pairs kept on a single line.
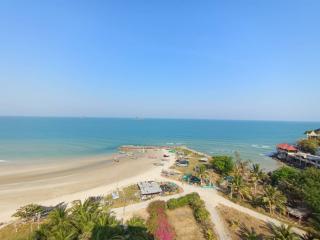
[[241, 59]]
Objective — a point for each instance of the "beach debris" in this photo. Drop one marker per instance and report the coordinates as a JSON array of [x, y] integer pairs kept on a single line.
[[115, 195]]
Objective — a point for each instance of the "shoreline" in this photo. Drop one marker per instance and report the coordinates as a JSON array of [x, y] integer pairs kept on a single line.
[[52, 183], [77, 180]]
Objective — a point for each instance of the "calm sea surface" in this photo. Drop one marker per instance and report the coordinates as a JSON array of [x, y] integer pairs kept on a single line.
[[47, 139]]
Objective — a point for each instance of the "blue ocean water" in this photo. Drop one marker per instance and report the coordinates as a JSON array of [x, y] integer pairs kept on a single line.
[[43, 139]]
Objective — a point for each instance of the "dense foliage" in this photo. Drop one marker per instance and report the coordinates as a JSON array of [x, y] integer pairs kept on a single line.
[[301, 186], [309, 183], [284, 174], [200, 212], [309, 145], [88, 220], [222, 164]]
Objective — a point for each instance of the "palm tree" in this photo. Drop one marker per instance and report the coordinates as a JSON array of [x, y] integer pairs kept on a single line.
[[59, 216], [256, 175], [83, 217], [58, 226], [282, 232], [243, 167], [249, 234], [274, 199], [202, 173], [238, 187]]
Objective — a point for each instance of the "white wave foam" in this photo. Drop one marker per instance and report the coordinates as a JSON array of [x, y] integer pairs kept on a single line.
[[260, 146], [2, 161]]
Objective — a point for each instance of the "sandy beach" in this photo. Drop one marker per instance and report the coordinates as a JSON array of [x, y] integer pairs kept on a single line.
[[70, 180]]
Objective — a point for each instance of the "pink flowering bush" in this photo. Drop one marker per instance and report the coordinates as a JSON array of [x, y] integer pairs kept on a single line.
[[158, 222]]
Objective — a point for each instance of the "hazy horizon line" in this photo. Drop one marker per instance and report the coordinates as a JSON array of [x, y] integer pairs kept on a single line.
[[156, 118]]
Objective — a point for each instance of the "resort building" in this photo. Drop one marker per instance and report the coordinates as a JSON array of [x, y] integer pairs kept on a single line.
[[285, 149], [313, 134], [291, 155]]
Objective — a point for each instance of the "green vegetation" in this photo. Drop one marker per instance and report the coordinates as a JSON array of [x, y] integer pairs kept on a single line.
[[18, 231], [249, 233], [193, 159], [256, 176], [158, 223], [84, 220], [309, 183], [302, 186], [222, 164], [274, 199], [309, 145], [200, 212], [29, 211], [272, 192], [284, 174], [282, 232], [128, 195]]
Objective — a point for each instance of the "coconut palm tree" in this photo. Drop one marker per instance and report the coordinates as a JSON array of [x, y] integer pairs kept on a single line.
[[238, 186], [58, 226], [256, 175], [274, 199], [249, 234], [282, 232], [84, 216], [243, 167]]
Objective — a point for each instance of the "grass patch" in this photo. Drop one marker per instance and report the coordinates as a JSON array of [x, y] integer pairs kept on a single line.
[[128, 195], [235, 220], [22, 232], [184, 223], [200, 213]]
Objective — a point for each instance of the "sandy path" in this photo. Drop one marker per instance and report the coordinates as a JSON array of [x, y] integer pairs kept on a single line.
[[212, 199]]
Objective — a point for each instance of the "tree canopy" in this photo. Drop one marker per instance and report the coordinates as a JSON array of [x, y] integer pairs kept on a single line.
[[223, 164], [309, 145], [284, 174]]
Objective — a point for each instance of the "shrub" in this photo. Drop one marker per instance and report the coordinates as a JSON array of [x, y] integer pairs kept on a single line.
[[164, 230], [29, 211], [222, 164], [308, 145], [182, 201], [284, 174], [200, 212], [158, 223], [309, 184], [201, 215]]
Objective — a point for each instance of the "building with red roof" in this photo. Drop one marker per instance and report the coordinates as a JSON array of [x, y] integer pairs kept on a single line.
[[286, 147]]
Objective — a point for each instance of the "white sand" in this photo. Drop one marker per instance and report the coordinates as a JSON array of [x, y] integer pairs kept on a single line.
[[69, 181]]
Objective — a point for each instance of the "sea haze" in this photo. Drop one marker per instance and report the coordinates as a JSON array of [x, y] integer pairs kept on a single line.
[[31, 139]]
